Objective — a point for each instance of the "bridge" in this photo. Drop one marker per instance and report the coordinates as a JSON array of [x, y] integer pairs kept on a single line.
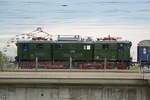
[[73, 84]]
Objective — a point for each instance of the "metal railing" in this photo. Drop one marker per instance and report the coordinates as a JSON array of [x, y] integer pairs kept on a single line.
[[12, 66]]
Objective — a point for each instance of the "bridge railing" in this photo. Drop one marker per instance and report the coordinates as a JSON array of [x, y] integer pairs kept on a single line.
[[17, 69]]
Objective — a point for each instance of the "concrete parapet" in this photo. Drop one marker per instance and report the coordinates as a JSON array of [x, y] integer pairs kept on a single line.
[[74, 77]]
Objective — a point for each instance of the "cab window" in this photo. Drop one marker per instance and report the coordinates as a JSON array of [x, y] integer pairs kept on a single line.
[[58, 46], [39, 46], [105, 46], [25, 47]]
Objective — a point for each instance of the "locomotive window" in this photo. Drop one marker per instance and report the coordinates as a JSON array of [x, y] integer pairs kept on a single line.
[[25, 47], [39, 46], [58, 46], [71, 47], [105, 46], [144, 51], [87, 47]]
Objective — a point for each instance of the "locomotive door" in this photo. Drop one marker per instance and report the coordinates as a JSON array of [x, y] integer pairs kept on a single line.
[[120, 51]]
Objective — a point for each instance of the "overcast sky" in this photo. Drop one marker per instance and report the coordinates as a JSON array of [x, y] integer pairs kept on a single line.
[[129, 19]]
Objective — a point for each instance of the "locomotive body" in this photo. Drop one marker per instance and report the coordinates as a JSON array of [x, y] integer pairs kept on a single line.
[[77, 50], [112, 50], [29, 50], [74, 53]]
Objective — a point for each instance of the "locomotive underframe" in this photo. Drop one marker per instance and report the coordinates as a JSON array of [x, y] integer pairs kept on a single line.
[[75, 64]]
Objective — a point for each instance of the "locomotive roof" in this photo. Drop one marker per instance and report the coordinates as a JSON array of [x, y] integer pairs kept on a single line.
[[48, 41], [34, 41], [112, 41], [144, 43]]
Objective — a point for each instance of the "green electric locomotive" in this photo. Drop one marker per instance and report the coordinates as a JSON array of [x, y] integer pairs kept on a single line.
[[73, 52]]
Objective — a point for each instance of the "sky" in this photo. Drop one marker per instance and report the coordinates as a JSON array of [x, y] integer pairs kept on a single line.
[[129, 19]]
